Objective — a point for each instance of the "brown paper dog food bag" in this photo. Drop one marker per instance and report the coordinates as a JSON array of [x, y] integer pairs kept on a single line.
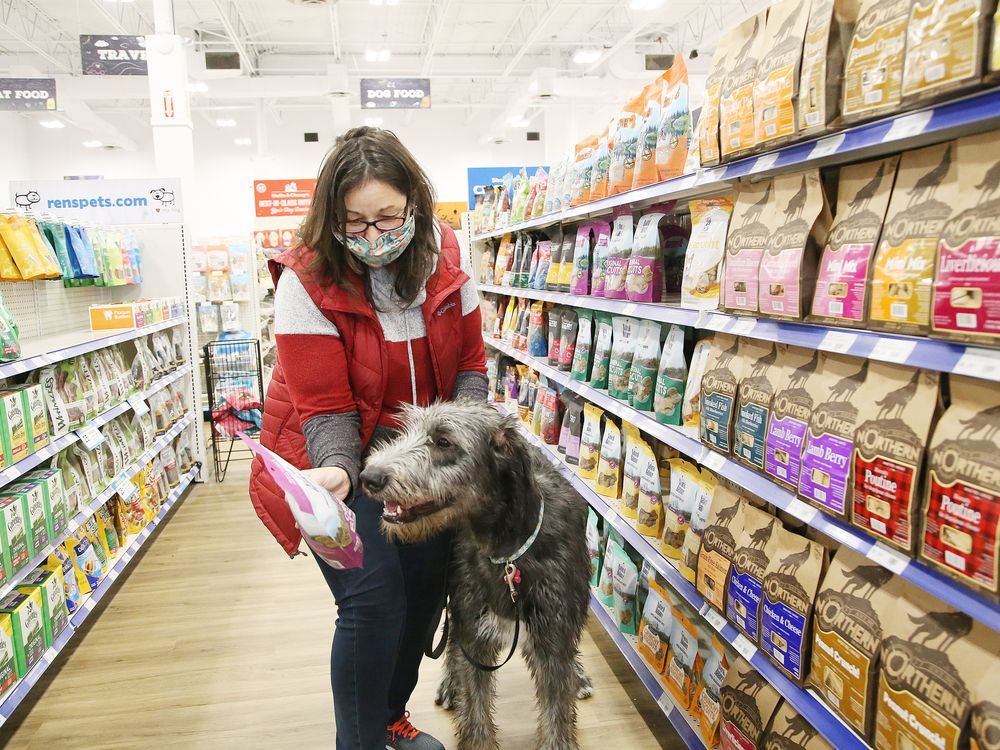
[[791, 409], [856, 598], [984, 724], [749, 231], [777, 90], [736, 121], [961, 534], [746, 578], [889, 452], [787, 272], [932, 658], [842, 279], [945, 44], [926, 186], [829, 29], [718, 546], [795, 566], [873, 69], [708, 123], [718, 392], [825, 476], [748, 703], [967, 273], [790, 731]]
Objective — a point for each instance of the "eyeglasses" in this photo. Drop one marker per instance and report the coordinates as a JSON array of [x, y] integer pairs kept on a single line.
[[382, 225]]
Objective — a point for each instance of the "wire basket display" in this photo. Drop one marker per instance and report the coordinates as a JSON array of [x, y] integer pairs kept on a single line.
[[235, 390]]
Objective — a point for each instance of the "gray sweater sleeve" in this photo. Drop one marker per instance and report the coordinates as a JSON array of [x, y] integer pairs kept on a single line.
[[470, 385], [335, 440]]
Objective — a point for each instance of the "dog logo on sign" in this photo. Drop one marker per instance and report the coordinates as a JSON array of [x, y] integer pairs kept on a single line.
[[162, 196]]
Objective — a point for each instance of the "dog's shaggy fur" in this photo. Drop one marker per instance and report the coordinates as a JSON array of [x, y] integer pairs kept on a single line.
[[465, 466]]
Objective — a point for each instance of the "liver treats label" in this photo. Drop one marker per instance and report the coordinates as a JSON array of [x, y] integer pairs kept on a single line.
[[967, 285]]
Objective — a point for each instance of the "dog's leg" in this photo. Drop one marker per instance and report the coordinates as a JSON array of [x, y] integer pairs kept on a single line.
[[584, 685], [475, 688], [553, 665], [449, 688]]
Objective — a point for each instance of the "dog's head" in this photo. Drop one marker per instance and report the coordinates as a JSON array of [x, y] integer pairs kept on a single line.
[[443, 468]]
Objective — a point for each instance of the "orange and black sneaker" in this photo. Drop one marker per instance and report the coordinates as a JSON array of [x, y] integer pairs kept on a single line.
[[402, 735]]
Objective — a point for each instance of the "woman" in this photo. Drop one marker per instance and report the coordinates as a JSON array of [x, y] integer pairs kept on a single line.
[[371, 311]]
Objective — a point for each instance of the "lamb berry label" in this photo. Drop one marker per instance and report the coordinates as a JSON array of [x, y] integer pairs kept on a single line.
[[783, 450], [842, 282], [826, 462]]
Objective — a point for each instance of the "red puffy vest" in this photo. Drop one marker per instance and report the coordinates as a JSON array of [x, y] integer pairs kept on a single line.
[[365, 345]]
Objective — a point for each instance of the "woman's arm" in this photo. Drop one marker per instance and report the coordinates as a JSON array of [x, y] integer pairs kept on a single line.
[[314, 364], [471, 382]]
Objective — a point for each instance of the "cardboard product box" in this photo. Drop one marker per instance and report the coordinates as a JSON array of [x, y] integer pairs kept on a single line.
[[8, 662], [27, 627], [13, 427], [13, 538], [36, 520], [35, 416], [55, 614], [56, 501]]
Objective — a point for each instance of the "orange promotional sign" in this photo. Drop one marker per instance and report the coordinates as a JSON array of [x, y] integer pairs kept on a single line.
[[283, 197]]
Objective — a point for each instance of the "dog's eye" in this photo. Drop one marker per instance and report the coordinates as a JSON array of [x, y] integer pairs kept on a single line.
[[442, 442]]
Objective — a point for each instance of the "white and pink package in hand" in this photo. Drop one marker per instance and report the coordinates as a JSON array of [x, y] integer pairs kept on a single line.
[[327, 524]]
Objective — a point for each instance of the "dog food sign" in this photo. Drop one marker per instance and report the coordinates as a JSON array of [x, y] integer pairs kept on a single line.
[[396, 93], [25, 94], [145, 201]]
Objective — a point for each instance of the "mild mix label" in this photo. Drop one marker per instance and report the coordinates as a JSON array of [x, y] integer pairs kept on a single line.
[[842, 284]]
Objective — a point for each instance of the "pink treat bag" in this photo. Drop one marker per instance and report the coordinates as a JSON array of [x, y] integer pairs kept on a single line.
[[327, 525]]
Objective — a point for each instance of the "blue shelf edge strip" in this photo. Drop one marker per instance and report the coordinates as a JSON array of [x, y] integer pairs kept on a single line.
[[929, 354], [914, 571], [102, 497], [677, 717], [825, 722], [970, 114], [24, 687]]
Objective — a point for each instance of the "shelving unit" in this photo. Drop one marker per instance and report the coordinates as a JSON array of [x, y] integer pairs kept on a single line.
[[124, 559], [943, 356], [914, 571], [971, 114], [805, 702]]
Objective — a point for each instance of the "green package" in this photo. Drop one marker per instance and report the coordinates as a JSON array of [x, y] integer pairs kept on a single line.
[[56, 501], [600, 362], [594, 547], [36, 521], [13, 427], [8, 660], [55, 616], [36, 416], [27, 627], [13, 538]]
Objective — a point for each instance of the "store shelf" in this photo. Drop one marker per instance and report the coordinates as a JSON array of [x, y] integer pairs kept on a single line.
[[23, 688], [100, 499], [914, 571], [929, 354], [971, 114], [46, 350], [681, 720], [59, 444]]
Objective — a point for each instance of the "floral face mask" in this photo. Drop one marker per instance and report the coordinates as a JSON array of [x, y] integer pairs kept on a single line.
[[385, 249]]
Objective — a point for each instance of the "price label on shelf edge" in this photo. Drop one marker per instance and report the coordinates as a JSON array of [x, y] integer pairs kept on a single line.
[[893, 350], [746, 649], [90, 436], [838, 341], [125, 488], [826, 146], [138, 404], [978, 364], [888, 558]]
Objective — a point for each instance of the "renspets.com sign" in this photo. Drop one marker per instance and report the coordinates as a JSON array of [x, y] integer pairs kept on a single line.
[[145, 201]]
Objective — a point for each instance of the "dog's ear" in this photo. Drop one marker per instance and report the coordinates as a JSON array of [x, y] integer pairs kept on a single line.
[[505, 436]]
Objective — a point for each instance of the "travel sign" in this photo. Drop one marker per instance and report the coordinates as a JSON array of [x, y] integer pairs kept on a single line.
[[395, 93], [104, 55]]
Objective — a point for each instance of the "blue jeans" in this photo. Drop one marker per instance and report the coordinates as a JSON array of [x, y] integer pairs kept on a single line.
[[385, 612]]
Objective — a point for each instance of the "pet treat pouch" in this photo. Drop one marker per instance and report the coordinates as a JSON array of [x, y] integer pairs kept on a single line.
[[580, 369], [645, 158], [683, 659], [920, 206], [842, 280], [642, 376], [644, 275], [625, 577], [599, 258], [718, 546], [603, 339], [691, 405], [873, 66], [632, 450], [824, 479], [582, 252], [751, 226], [719, 385], [673, 136], [707, 497], [736, 101], [619, 252], [670, 378], [748, 702], [594, 547], [655, 625], [828, 32], [609, 478], [327, 525], [787, 271], [650, 512], [790, 730], [776, 93], [707, 708], [590, 442], [705, 253], [788, 420], [746, 578], [888, 453], [708, 124], [626, 334]]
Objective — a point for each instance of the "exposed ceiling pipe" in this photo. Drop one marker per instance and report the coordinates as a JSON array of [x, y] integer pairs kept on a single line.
[[7, 24], [532, 37], [439, 15], [334, 16]]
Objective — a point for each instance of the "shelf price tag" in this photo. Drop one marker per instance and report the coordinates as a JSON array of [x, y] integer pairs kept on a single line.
[[803, 512], [713, 618], [138, 404], [888, 558], [908, 126], [666, 705], [714, 461], [893, 350], [125, 488], [826, 146], [742, 644], [764, 162], [90, 436], [838, 341], [743, 326], [978, 364]]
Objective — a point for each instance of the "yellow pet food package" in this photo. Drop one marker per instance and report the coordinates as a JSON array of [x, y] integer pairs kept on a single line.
[[106, 524], [655, 625], [633, 444], [27, 249], [650, 510], [87, 566], [683, 659], [8, 269], [590, 442], [92, 529], [688, 487], [706, 707], [609, 468]]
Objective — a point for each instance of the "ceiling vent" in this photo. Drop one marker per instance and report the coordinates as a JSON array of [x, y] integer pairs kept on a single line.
[[222, 61], [659, 62]]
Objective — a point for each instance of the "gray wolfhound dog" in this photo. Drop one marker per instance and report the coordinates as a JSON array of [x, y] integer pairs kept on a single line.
[[467, 467]]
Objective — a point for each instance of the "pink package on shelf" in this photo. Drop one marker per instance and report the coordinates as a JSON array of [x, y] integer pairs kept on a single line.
[[327, 525]]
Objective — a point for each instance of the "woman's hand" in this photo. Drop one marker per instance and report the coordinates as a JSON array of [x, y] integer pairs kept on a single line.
[[333, 479]]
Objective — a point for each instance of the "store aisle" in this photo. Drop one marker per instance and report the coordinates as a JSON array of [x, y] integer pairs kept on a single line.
[[216, 641]]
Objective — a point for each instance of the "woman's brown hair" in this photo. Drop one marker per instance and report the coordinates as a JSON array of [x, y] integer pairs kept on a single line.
[[360, 156]]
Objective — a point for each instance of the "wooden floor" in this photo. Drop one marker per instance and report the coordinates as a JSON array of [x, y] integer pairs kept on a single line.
[[216, 640]]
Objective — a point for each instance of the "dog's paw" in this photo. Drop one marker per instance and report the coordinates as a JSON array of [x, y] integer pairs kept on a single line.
[[584, 687], [445, 695]]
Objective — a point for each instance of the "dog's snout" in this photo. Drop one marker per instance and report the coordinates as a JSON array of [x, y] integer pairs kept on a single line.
[[374, 479]]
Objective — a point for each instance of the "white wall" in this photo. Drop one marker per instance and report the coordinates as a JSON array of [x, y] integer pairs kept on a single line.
[[13, 153]]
